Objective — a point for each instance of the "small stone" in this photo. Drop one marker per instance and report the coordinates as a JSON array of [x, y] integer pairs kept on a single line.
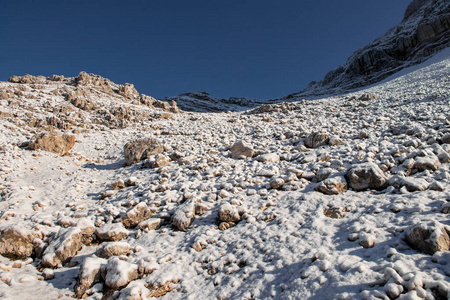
[[277, 183], [48, 274], [269, 157], [366, 240]]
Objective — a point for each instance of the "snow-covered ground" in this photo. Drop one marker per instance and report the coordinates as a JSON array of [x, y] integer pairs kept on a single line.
[[288, 240]]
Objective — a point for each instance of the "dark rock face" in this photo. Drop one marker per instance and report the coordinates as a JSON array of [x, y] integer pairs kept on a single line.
[[424, 31]]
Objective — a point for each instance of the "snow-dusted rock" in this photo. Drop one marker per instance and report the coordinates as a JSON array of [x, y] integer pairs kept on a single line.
[[141, 149], [335, 141], [366, 176], [89, 274], [52, 142], [119, 273], [111, 232], [160, 160], [136, 215], [429, 237], [427, 163], [64, 245], [332, 185], [109, 249], [18, 240], [127, 90], [317, 139], [183, 215], [277, 183], [229, 213], [150, 224], [269, 157], [411, 184], [241, 148]]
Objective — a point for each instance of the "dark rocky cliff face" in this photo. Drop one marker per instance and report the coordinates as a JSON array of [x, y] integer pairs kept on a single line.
[[424, 31]]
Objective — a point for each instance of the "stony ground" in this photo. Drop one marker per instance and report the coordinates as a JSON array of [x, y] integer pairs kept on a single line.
[[345, 197]]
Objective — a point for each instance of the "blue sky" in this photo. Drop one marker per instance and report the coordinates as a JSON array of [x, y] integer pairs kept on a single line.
[[259, 49]]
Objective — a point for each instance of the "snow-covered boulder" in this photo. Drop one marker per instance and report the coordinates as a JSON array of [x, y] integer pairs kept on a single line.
[[427, 163], [229, 213], [138, 150], [119, 273], [65, 245], [136, 215], [52, 142], [183, 215], [112, 232], [17, 240], [332, 185], [109, 249], [317, 139], [89, 274], [366, 176], [429, 237]]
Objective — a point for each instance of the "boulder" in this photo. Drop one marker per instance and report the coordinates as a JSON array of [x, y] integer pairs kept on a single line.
[[429, 237], [332, 186], [109, 249], [228, 213], [17, 240], [136, 215], [183, 215], [111, 232], [64, 245], [427, 163], [317, 139], [52, 142], [127, 90], [138, 150], [241, 148], [119, 273], [366, 176], [89, 274], [150, 224]]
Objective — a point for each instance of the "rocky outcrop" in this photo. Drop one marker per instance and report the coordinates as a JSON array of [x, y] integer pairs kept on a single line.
[[52, 142], [424, 31]]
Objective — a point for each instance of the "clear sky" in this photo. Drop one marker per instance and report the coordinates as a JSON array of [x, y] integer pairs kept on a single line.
[[258, 49]]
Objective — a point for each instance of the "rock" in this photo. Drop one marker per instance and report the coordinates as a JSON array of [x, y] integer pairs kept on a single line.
[[111, 232], [89, 274], [109, 249], [427, 163], [240, 148], [64, 245], [138, 150], [323, 174], [446, 138], [136, 290], [277, 183], [158, 161], [118, 185], [17, 240], [228, 213], [136, 215], [332, 186], [366, 176], [317, 139], [367, 97], [411, 184], [52, 142], [269, 157], [48, 274], [335, 141], [445, 209], [429, 237], [444, 157], [127, 90], [150, 224], [366, 240], [335, 212], [183, 215], [119, 273]]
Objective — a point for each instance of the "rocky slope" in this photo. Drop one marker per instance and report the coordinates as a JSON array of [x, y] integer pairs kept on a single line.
[[424, 31], [344, 197]]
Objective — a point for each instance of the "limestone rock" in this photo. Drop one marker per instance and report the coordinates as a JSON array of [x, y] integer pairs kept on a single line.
[[332, 186], [138, 150], [119, 273], [228, 213], [183, 215], [109, 249], [429, 237], [136, 215], [52, 142], [427, 163], [127, 90], [277, 183], [366, 176], [65, 245], [269, 157], [240, 148], [317, 139], [17, 240], [89, 274], [150, 224], [160, 160], [111, 232]]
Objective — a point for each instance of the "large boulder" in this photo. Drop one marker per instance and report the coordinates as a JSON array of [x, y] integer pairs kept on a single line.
[[52, 142], [90, 273], [241, 148], [429, 237], [141, 149], [317, 139], [109, 249], [136, 215], [111, 232], [119, 273], [366, 176], [65, 245], [17, 241]]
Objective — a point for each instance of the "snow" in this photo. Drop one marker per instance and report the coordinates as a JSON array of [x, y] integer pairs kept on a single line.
[[284, 247]]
